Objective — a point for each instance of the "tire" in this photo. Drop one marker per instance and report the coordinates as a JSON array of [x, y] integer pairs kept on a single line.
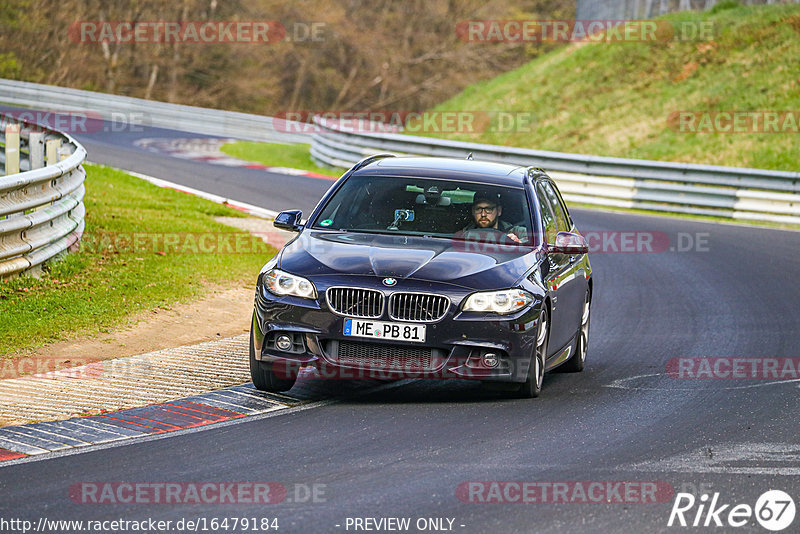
[[532, 387], [264, 378], [576, 363]]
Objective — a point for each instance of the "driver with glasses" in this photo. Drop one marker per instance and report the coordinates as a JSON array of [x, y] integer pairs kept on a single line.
[[486, 212]]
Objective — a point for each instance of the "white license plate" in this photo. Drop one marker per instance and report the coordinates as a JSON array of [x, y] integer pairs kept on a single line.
[[384, 330]]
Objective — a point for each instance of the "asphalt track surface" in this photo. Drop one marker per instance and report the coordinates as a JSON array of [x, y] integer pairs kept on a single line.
[[405, 450]]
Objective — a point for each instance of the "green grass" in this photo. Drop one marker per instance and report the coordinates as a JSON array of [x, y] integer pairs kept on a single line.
[[277, 155], [615, 99], [114, 277]]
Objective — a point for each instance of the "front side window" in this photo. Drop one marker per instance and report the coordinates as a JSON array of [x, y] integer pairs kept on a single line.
[[428, 207], [558, 209], [548, 220]]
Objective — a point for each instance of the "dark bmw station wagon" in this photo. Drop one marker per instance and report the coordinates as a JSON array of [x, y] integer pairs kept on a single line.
[[426, 267]]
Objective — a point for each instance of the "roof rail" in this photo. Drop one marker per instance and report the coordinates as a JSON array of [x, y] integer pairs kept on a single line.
[[369, 159]]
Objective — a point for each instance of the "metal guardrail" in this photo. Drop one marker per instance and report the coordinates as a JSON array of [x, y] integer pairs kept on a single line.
[[153, 113], [732, 192], [41, 208]]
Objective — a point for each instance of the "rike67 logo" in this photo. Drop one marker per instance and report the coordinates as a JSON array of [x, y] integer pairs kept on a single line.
[[774, 510]]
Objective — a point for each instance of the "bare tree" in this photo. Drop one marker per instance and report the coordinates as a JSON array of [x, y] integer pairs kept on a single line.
[[373, 53]]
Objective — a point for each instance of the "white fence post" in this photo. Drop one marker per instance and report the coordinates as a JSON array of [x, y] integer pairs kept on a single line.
[[52, 146], [12, 149], [36, 150]]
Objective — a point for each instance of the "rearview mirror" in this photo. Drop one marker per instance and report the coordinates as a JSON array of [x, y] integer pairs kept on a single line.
[[289, 220], [568, 243]]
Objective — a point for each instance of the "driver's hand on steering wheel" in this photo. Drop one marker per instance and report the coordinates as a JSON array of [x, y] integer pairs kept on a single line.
[[513, 237]]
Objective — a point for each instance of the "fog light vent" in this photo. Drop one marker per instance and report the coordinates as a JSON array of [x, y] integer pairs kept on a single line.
[[292, 342], [490, 360], [283, 342]]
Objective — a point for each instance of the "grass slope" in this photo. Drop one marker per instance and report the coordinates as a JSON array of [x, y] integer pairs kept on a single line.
[[615, 99], [276, 155]]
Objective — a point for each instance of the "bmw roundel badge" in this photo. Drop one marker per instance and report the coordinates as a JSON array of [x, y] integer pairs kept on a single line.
[[389, 282]]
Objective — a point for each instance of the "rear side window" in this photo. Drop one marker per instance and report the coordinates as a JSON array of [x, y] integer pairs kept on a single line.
[[562, 219]]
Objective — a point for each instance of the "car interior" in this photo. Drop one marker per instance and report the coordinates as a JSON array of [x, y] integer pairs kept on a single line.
[[423, 207]]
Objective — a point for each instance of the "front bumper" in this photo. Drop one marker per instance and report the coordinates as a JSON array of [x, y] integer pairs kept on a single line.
[[452, 349]]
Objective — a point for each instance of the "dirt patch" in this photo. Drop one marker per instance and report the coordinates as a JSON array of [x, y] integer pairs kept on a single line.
[[793, 21], [223, 312]]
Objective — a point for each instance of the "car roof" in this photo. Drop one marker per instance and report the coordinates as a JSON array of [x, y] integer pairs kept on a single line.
[[446, 168]]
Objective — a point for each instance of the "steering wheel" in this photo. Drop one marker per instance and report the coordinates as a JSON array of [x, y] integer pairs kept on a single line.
[[489, 231]]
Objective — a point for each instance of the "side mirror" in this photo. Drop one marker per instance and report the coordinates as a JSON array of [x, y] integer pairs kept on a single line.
[[289, 220], [568, 243]]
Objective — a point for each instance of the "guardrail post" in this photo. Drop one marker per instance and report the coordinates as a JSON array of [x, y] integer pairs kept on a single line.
[[41, 209], [36, 150], [51, 148], [12, 149]]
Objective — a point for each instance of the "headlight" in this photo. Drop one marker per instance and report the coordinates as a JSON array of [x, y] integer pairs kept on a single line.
[[502, 302], [282, 283]]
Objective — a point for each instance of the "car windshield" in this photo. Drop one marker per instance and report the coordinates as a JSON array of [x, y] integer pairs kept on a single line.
[[429, 207]]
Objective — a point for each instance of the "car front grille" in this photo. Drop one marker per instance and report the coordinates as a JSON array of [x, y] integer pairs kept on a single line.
[[384, 357], [355, 302], [418, 307]]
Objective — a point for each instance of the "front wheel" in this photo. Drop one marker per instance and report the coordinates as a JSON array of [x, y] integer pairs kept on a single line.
[[264, 378], [532, 386], [576, 363]]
